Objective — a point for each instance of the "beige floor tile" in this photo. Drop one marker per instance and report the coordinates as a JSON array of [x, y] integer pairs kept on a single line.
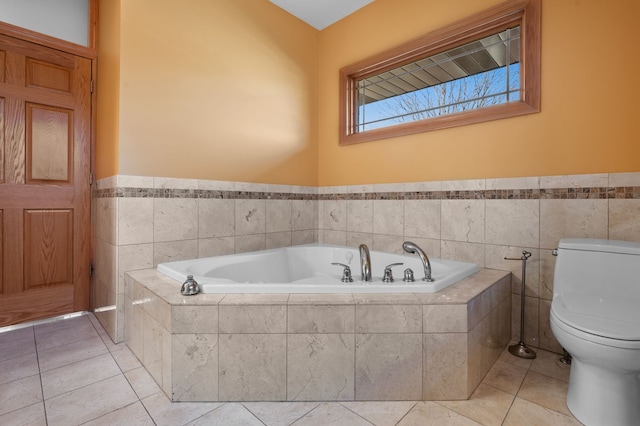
[[113, 347], [48, 327], [540, 400], [546, 391], [142, 382], [523, 412], [133, 414], [89, 402], [21, 334], [17, 343], [71, 353], [230, 414], [32, 415], [280, 413], [96, 323], [126, 359], [73, 376], [331, 413], [106, 339], [54, 338], [18, 368], [506, 377], [429, 413], [20, 393], [381, 413], [514, 360], [164, 412], [487, 405], [548, 363]]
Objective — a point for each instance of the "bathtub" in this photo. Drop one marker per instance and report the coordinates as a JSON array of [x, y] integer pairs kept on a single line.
[[317, 347], [309, 269]]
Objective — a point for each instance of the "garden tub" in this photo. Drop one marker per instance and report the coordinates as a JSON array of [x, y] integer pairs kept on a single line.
[[312, 268]]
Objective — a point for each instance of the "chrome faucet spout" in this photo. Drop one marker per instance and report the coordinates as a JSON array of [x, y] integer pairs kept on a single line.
[[365, 262], [410, 247]]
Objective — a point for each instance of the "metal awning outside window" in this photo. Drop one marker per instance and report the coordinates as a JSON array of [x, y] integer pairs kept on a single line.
[[490, 53]]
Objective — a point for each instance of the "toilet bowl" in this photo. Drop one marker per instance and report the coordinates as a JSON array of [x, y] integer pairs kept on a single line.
[[595, 316]]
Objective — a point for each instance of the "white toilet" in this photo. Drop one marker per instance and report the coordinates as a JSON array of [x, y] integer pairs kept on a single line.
[[595, 315]]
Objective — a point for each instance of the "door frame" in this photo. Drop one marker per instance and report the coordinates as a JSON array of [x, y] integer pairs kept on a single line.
[[90, 53]]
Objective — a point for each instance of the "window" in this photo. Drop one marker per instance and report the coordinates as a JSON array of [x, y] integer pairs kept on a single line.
[[482, 68]]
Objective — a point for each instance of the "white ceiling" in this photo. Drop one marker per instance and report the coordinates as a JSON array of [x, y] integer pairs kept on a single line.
[[320, 13]]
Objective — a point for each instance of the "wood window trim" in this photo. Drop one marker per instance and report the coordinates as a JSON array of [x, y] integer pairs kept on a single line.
[[527, 13]]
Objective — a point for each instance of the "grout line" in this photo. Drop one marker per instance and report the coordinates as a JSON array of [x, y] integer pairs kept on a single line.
[[408, 411], [44, 406], [354, 412]]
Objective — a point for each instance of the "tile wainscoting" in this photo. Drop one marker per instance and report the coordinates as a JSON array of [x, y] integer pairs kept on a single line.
[[142, 221], [139, 222], [318, 347]]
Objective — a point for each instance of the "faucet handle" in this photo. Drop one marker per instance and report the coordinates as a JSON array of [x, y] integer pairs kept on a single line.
[[190, 287], [346, 273], [388, 275], [408, 276]]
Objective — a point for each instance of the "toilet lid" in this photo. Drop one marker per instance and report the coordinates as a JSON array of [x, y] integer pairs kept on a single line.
[[611, 318]]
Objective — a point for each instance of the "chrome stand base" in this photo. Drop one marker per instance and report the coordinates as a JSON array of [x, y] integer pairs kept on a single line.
[[522, 351]]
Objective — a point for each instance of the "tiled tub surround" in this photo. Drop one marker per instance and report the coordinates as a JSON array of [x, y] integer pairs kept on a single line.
[[306, 347], [140, 222], [479, 221]]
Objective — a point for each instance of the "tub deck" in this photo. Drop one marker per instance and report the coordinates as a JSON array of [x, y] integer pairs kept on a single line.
[[318, 347]]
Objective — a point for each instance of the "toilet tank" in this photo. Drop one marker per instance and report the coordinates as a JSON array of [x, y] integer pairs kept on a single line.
[[602, 268]]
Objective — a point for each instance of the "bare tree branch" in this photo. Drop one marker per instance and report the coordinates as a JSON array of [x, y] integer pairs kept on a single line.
[[459, 95]]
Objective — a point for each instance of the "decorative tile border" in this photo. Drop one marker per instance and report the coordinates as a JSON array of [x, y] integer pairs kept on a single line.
[[198, 193], [624, 192]]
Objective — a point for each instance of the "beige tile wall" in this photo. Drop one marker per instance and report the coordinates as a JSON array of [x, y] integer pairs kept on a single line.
[[138, 233], [332, 347], [479, 229]]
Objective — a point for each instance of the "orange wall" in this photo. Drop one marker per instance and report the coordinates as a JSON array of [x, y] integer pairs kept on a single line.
[[108, 89], [241, 90], [589, 120], [216, 89]]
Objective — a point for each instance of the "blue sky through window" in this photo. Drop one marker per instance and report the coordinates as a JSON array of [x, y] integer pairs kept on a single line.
[[497, 86]]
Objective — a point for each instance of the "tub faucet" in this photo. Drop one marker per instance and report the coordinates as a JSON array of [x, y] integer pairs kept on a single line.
[[410, 247], [365, 262]]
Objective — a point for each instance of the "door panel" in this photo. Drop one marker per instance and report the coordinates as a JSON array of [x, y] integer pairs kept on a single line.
[[1, 247], [45, 113], [48, 76], [13, 253], [49, 143], [50, 302], [48, 248], [1, 131], [14, 142], [2, 56]]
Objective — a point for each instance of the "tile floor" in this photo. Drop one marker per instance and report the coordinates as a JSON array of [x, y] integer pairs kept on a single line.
[[69, 372]]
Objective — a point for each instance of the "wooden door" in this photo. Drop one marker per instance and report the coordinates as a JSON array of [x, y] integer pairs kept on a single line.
[[45, 119]]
